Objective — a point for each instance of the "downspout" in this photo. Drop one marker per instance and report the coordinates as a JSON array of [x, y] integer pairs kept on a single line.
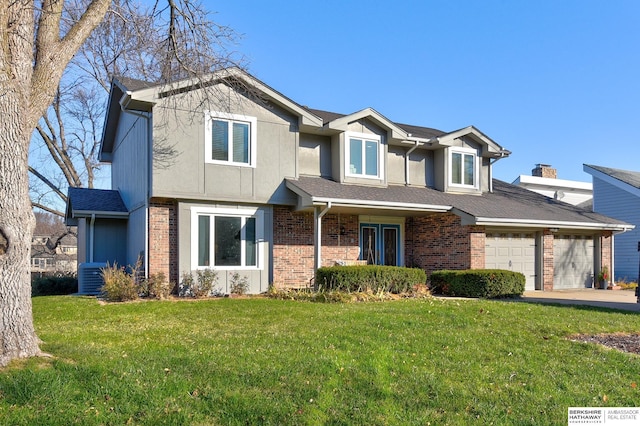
[[491, 163], [406, 161], [91, 239], [318, 234]]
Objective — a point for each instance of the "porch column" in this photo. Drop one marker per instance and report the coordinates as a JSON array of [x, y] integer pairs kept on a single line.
[[317, 234]]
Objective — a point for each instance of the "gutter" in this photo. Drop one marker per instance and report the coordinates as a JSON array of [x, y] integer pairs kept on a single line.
[[552, 224], [100, 214], [377, 204], [502, 154]]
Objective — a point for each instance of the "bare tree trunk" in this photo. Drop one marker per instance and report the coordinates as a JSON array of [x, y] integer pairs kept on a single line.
[[17, 335], [29, 76]]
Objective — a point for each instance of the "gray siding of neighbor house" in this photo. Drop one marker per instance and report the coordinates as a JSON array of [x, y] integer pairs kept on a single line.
[[619, 204], [129, 169], [258, 279], [186, 174]]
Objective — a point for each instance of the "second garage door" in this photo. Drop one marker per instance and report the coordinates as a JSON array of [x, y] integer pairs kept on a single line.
[[572, 261], [514, 252]]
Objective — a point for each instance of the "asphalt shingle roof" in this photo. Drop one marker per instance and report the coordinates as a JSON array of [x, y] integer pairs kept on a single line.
[[418, 131], [102, 200], [627, 176], [505, 202]]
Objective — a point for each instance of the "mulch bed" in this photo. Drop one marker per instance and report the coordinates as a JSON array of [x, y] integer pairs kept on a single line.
[[622, 342]]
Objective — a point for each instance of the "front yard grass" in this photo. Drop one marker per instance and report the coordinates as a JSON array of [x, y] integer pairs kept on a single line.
[[273, 362]]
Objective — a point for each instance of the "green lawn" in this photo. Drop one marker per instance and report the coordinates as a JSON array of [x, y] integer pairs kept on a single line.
[[263, 361]]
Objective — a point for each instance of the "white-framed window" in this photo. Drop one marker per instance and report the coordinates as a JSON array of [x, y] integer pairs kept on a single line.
[[363, 155], [226, 238], [230, 139], [463, 167]]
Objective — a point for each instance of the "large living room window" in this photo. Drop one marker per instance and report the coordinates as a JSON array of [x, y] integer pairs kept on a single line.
[[363, 154], [463, 168], [230, 139], [226, 238]]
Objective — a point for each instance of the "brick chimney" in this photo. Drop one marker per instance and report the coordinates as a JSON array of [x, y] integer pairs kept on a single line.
[[545, 171]]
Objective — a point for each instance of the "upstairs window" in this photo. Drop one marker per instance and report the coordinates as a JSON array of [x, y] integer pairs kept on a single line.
[[230, 139], [463, 168], [363, 154]]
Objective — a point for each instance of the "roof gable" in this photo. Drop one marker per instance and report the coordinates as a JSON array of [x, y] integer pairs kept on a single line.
[[625, 180]]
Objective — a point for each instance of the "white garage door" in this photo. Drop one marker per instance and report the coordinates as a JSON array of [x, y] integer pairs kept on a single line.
[[572, 261], [514, 252]]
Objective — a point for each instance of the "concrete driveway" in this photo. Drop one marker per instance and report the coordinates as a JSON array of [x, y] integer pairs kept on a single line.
[[614, 299]]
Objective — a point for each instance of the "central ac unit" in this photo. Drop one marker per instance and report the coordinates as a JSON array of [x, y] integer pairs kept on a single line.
[[90, 278]]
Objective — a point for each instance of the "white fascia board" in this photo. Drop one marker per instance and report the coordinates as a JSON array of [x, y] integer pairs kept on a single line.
[[612, 181], [339, 202], [536, 181], [342, 123], [491, 221], [490, 144], [99, 214]]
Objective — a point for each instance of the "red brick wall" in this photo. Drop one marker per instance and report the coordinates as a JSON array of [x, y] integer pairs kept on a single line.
[[547, 260], [293, 253], [605, 242], [163, 238], [440, 242]]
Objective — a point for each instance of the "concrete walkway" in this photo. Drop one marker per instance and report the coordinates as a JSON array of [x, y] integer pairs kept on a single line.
[[614, 299]]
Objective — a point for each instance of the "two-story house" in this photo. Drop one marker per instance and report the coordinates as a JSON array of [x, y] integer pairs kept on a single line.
[[249, 181]]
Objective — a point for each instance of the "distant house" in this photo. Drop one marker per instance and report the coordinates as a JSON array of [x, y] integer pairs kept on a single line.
[[260, 185], [56, 253], [544, 180], [616, 193]]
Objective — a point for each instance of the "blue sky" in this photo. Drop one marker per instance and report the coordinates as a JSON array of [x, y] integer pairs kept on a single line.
[[555, 82]]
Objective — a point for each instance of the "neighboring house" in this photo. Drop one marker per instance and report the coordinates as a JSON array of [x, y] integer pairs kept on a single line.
[[544, 180], [56, 253], [257, 184], [616, 193]]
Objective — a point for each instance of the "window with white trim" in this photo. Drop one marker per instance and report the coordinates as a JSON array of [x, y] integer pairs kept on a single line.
[[226, 238], [463, 168], [363, 155], [230, 139]]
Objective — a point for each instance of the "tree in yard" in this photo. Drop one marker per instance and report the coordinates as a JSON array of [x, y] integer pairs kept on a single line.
[[145, 42], [38, 39]]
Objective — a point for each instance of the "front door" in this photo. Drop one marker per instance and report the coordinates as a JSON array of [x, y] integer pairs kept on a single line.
[[380, 243]]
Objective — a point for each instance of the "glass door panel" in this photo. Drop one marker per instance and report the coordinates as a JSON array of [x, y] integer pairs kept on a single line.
[[390, 245], [369, 244]]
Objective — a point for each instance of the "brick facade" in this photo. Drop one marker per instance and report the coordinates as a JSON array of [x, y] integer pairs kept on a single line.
[[441, 242], [605, 243], [547, 260], [293, 248], [163, 238]]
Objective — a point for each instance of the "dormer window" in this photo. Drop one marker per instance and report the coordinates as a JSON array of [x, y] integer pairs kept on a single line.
[[363, 154], [230, 139], [463, 168]]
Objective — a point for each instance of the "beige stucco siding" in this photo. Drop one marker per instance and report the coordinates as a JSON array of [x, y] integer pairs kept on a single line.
[[314, 155], [187, 174]]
